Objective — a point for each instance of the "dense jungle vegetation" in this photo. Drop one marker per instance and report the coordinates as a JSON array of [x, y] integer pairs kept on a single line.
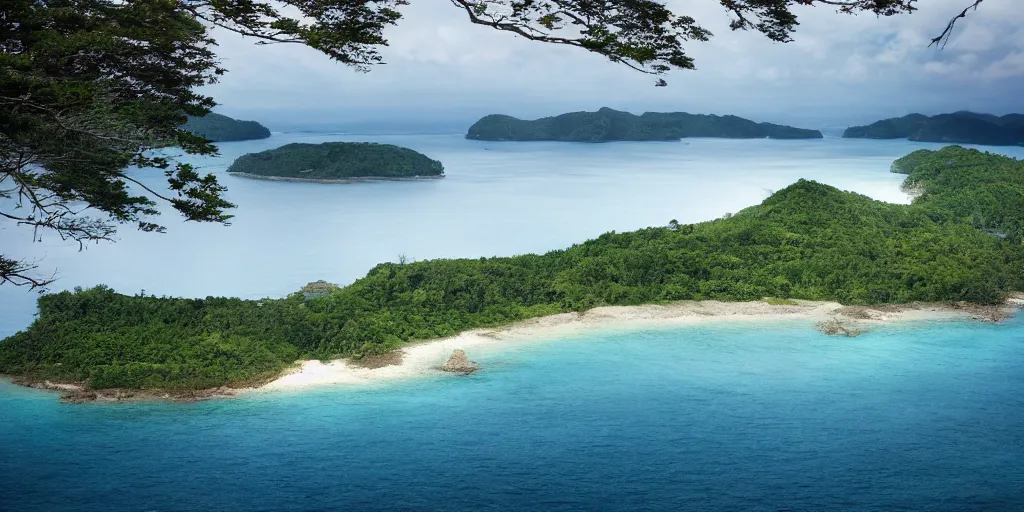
[[959, 127], [959, 241], [607, 125], [337, 161], [220, 128]]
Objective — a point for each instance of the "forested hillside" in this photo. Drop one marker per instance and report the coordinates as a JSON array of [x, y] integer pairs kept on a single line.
[[219, 128], [607, 125], [959, 127], [337, 161], [807, 241]]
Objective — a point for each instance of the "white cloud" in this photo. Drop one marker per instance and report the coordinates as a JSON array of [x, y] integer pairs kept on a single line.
[[1011, 65], [842, 64], [975, 37]]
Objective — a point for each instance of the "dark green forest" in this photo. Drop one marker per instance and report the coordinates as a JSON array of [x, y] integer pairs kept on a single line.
[[220, 128], [607, 125], [337, 161], [959, 241], [959, 127]]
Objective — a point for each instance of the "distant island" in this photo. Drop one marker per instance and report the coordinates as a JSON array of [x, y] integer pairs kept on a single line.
[[959, 127], [337, 162], [608, 125], [959, 242], [220, 128]]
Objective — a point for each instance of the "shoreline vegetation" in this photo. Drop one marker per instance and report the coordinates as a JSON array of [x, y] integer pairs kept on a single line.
[[959, 242], [335, 181], [608, 125], [425, 358]]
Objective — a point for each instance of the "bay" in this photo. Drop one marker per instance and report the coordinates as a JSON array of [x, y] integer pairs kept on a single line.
[[767, 416]]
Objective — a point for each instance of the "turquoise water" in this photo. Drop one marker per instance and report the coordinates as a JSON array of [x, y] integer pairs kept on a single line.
[[731, 417], [724, 417]]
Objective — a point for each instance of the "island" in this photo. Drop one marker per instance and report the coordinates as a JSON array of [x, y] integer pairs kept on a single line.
[[337, 162], [221, 128], [958, 243], [608, 125], [959, 127]]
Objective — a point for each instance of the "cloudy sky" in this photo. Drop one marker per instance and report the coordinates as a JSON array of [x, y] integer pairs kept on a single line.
[[441, 70]]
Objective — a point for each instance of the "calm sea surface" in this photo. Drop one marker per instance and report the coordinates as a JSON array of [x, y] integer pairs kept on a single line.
[[769, 417]]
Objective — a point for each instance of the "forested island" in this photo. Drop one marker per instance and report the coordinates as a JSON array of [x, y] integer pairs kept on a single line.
[[607, 125], [220, 128], [337, 162], [959, 127], [960, 240]]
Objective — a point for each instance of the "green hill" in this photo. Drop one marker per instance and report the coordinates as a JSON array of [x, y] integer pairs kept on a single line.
[[959, 127], [219, 128], [807, 241], [337, 161], [608, 125]]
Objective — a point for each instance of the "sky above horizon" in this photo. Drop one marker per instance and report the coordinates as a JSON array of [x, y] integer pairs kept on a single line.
[[840, 70]]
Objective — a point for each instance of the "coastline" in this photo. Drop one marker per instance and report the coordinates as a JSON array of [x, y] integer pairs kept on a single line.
[[366, 179], [424, 358]]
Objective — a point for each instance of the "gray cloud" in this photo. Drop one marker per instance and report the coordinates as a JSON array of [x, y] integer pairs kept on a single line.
[[840, 69]]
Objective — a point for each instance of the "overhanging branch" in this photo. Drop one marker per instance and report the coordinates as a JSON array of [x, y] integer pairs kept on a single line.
[[21, 273], [943, 38]]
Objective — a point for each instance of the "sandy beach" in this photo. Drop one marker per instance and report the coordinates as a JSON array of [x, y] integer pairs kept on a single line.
[[425, 358]]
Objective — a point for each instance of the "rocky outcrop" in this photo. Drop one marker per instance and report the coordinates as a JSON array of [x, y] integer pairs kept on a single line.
[[318, 289], [459, 363], [835, 327], [993, 313], [145, 395]]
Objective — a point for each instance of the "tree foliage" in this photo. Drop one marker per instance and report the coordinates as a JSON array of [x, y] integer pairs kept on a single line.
[[337, 161], [807, 241], [612, 125], [220, 128], [89, 87], [959, 127], [983, 190]]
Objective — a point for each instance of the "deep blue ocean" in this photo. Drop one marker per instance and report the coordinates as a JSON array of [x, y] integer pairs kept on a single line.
[[770, 416], [766, 417]]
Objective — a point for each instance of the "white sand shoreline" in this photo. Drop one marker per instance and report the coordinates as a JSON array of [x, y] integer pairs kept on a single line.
[[424, 358]]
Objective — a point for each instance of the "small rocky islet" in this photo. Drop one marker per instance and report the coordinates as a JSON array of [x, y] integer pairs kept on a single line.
[[459, 363]]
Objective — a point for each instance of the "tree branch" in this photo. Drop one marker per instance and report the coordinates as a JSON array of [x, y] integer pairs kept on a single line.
[[943, 38], [19, 273]]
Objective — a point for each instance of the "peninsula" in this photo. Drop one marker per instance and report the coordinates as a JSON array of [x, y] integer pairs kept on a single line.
[[959, 242], [220, 128], [337, 162], [608, 125], [959, 127]]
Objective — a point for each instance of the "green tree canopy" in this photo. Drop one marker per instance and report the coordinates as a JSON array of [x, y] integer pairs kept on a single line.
[[89, 87]]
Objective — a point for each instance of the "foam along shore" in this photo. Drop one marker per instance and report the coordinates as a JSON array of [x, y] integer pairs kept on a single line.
[[425, 358]]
